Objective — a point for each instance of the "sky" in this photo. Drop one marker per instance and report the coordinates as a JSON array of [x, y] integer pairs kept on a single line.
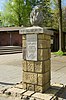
[[3, 1], [64, 2], [2, 4]]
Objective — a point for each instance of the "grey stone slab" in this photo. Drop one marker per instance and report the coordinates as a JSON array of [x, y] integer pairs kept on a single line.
[[15, 91], [19, 85], [35, 29], [28, 93], [5, 97], [42, 96]]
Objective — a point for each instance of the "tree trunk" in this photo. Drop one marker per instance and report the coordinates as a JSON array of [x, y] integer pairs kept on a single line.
[[60, 27]]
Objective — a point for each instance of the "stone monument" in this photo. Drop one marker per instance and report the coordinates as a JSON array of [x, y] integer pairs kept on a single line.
[[36, 56]]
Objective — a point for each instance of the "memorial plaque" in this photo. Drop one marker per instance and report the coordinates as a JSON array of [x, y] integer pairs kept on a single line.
[[31, 47]]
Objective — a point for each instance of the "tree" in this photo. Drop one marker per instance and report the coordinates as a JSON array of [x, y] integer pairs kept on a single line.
[[60, 27], [64, 18], [46, 9], [55, 14], [17, 12]]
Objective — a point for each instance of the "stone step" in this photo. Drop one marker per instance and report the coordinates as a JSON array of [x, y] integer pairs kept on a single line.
[[10, 49]]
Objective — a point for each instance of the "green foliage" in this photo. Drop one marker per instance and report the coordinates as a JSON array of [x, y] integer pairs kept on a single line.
[[0, 20], [17, 12], [59, 53], [46, 9], [55, 15]]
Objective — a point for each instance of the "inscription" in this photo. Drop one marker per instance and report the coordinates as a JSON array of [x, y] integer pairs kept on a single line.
[[31, 47]]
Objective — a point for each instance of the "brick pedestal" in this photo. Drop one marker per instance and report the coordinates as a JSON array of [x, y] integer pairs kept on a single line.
[[37, 74]]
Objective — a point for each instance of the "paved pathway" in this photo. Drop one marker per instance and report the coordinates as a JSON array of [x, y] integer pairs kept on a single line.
[[58, 69], [11, 70]]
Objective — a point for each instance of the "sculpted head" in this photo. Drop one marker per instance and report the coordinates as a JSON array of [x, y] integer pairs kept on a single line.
[[36, 16]]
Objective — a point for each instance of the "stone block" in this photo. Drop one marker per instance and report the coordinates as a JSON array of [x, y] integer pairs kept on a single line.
[[30, 77], [47, 77], [44, 37], [23, 43], [24, 65], [39, 88], [30, 66], [41, 43], [49, 53], [46, 56], [24, 53], [41, 36], [40, 54], [30, 87], [47, 65], [41, 79], [47, 37], [39, 67], [46, 86], [42, 88], [24, 85], [50, 73], [24, 37], [48, 44]]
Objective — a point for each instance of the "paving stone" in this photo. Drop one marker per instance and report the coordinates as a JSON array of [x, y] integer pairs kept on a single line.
[[25, 98], [19, 86], [58, 86], [5, 97], [28, 93], [42, 96], [3, 89], [15, 91], [31, 98]]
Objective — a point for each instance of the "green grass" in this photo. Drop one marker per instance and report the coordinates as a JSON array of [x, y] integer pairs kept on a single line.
[[59, 53]]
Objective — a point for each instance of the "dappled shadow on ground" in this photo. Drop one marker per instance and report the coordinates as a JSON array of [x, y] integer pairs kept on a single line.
[[62, 94], [3, 83], [59, 92]]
